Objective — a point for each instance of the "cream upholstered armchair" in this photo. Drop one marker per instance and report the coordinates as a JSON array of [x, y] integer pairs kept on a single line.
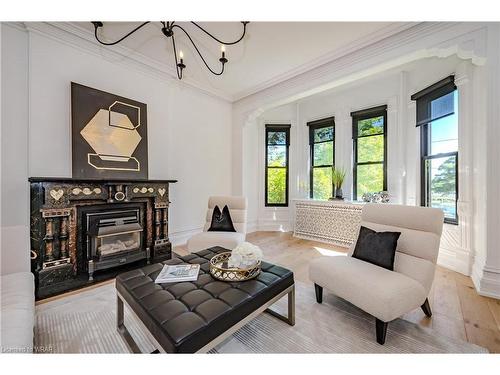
[[382, 293], [229, 240]]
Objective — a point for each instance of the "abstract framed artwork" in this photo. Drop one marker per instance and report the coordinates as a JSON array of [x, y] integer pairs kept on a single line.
[[109, 135]]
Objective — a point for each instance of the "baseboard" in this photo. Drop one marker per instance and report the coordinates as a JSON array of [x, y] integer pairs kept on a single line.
[[455, 260], [486, 281], [274, 226], [181, 237]]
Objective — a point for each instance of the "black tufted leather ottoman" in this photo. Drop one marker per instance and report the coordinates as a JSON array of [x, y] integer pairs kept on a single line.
[[195, 316]]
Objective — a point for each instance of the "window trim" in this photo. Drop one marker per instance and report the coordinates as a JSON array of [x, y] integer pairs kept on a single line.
[[277, 128], [363, 115], [314, 125], [424, 98]]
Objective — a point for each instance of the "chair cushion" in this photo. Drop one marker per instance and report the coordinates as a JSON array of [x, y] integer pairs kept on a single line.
[[205, 240], [378, 248], [17, 312], [221, 221], [382, 293], [424, 219]]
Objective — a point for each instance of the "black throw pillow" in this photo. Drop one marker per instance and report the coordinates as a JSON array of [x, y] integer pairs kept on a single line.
[[378, 248], [221, 221]]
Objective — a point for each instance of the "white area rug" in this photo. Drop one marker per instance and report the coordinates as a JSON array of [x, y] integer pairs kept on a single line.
[[85, 323]]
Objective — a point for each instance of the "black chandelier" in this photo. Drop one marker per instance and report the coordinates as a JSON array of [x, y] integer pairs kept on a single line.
[[168, 31]]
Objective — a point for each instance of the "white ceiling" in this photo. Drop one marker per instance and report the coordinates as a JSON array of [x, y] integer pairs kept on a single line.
[[269, 53]]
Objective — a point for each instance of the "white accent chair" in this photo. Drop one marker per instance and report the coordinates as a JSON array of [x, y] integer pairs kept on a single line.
[[382, 293], [229, 240]]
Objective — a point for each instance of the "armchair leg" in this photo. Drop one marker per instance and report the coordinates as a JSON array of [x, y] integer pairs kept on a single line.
[[426, 308], [319, 293], [381, 328]]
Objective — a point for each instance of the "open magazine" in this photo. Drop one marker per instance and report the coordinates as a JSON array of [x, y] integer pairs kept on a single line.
[[178, 273]]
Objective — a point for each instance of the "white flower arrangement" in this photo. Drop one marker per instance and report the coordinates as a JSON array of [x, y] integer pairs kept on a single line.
[[244, 255]]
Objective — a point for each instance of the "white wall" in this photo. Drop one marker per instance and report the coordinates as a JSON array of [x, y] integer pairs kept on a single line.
[[486, 271], [14, 144], [189, 132]]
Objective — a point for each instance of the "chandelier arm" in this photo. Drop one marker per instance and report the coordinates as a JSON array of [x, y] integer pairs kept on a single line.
[[199, 53], [220, 41], [179, 75], [122, 38]]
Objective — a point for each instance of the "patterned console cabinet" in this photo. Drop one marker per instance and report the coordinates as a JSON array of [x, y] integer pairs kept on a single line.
[[335, 222]]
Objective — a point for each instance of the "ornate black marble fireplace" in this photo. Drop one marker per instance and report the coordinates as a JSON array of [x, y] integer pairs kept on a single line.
[[83, 231]]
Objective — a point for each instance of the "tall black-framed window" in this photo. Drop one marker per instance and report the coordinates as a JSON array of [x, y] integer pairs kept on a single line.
[[277, 144], [322, 155], [437, 117], [369, 129]]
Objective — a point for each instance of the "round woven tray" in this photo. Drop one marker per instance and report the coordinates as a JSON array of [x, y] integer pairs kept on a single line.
[[220, 270]]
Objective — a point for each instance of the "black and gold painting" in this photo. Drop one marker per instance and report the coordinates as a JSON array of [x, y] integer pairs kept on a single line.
[[109, 135]]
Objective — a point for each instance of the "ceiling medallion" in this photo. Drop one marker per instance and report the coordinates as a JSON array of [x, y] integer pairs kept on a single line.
[[168, 31]]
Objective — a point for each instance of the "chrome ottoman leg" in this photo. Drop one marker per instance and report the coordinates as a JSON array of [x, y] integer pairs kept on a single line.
[[290, 319], [122, 330]]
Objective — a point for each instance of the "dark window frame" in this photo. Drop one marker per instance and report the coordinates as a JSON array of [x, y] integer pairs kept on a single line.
[[278, 128], [424, 99], [314, 125], [363, 115]]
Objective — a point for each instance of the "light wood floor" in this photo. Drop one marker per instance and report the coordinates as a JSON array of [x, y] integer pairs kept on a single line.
[[458, 311]]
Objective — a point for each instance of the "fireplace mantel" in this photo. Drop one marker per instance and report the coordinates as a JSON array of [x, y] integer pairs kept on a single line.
[[95, 180], [58, 205]]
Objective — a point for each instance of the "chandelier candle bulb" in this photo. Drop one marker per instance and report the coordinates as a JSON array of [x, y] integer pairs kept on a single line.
[[168, 31]]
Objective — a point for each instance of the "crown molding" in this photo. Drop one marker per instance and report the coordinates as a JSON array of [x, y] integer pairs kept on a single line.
[[423, 40], [362, 42], [16, 25], [83, 40], [386, 40]]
